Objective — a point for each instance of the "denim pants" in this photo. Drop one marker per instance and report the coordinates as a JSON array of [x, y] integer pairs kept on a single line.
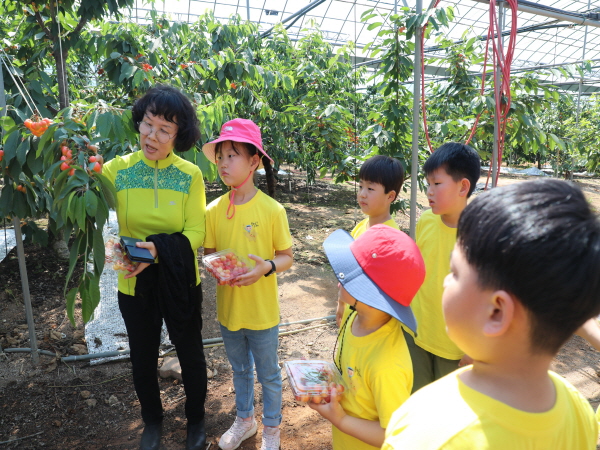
[[245, 348], [144, 340]]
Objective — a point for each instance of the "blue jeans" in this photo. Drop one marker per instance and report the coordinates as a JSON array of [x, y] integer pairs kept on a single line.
[[245, 348]]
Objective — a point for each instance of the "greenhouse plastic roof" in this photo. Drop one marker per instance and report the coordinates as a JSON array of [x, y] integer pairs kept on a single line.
[[541, 40]]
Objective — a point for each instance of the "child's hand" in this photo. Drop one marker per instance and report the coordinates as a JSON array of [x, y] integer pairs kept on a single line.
[[259, 271], [332, 411]]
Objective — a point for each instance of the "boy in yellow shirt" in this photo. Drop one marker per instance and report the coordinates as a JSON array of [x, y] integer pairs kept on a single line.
[[379, 274], [524, 277], [452, 172], [380, 179]]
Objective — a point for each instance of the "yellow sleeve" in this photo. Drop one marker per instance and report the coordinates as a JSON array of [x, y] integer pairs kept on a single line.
[[195, 212], [210, 239], [391, 388], [282, 238]]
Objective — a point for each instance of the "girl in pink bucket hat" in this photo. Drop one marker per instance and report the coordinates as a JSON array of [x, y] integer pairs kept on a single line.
[[251, 223]]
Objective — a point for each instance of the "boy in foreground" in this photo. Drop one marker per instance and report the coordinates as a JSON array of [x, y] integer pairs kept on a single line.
[[452, 172], [372, 355], [524, 277], [380, 180]]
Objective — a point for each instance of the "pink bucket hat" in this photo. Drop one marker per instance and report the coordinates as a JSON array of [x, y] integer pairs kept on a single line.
[[236, 130]]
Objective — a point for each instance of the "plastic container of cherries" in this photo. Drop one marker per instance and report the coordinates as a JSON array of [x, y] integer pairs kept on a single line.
[[313, 380], [115, 255], [227, 265]]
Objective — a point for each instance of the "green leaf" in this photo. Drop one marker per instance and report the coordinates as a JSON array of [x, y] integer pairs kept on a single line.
[[90, 297], [104, 124], [98, 249], [108, 190], [558, 141], [6, 201], [329, 110], [22, 150], [10, 148], [80, 211], [91, 203], [70, 297]]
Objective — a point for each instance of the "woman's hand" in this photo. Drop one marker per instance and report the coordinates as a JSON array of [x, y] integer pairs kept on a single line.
[[141, 266]]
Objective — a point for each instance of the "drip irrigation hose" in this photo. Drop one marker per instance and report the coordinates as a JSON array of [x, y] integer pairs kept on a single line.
[[207, 343]]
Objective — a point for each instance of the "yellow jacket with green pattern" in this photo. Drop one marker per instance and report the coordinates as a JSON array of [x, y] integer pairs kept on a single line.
[[165, 196]]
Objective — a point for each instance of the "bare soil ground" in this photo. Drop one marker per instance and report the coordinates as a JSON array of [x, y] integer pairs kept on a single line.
[[78, 406]]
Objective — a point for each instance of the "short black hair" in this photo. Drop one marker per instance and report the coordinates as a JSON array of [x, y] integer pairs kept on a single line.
[[384, 170], [458, 160], [539, 241], [173, 106]]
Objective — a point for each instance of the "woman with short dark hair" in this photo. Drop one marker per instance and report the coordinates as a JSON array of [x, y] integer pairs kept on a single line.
[[161, 201]]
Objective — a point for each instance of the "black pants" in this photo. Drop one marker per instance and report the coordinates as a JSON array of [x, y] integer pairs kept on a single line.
[[144, 339]]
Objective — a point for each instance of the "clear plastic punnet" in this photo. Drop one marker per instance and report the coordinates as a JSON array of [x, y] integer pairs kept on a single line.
[[115, 255], [226, 265], [312, 380]]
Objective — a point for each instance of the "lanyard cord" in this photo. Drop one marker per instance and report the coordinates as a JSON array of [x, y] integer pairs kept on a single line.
[[232, 196], [340, 339]]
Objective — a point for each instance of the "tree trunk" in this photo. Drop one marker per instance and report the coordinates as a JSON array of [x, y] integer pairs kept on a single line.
[[270, 176]]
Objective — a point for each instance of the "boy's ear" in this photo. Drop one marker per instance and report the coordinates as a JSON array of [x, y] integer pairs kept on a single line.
[[500, 314], [391, 196], [465, 185]]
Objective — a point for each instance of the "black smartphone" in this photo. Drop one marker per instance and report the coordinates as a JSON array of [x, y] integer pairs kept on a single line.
[[137, 254]]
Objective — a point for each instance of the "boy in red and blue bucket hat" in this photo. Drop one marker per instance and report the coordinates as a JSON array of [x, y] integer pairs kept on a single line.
[[379, 274]]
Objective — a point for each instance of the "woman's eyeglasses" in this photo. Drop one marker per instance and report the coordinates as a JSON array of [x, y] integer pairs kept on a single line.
[[161, 135]]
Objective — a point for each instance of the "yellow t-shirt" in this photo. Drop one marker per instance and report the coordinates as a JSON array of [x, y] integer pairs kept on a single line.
[[378, 373], [361, 226], [449, 415], [165, 196], [259, 227], [436, 241]]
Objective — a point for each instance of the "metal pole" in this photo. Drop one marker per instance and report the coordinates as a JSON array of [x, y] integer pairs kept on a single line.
[[414, 171], [300, 13], [580, 88], [497, 84], [21, 253], [248, 9], [552, 13], [25, 286]]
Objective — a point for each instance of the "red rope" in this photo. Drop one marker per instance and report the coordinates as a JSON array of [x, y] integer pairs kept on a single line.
[[501, 59]]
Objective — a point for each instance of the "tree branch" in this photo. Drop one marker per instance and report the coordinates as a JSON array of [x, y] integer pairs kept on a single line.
[[38, 19], [80, 25]]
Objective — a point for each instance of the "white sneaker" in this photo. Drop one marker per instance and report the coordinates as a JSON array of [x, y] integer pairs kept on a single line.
[[270, 438], [239, 431]]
